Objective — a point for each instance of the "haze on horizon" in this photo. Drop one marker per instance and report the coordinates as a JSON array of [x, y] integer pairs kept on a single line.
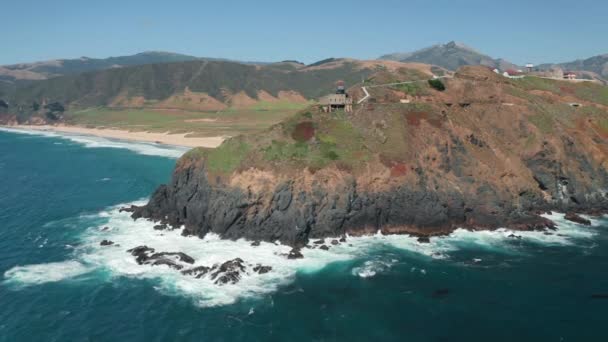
[[520, 31]]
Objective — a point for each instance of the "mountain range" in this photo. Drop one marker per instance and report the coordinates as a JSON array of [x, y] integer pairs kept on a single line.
[[164, 80], [453, 55]]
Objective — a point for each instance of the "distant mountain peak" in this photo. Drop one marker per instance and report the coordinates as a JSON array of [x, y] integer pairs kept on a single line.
[[450, 55]]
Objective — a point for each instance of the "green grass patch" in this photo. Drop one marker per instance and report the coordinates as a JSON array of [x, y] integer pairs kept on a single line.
[[227, 156], [280, 150], [544, 122], [592, 92], [195, 154], [227, 123], [280, 105], [413, 89], [335, 139], [537, 83]]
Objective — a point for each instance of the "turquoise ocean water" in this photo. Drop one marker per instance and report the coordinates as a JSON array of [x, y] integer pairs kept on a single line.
[[57, 284]]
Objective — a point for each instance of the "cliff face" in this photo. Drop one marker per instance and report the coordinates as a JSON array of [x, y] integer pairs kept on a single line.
[[486, 153]]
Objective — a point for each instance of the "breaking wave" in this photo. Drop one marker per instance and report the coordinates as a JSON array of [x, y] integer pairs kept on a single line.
[[89, 141], [125, 233], [45, 273]]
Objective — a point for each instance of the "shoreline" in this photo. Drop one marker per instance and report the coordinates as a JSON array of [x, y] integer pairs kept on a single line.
[[165, 138]]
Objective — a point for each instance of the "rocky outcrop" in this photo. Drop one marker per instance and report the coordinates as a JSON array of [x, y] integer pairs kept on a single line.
[[145, 255], [293, 217], [229, 272], [423, 169], [577, 219]]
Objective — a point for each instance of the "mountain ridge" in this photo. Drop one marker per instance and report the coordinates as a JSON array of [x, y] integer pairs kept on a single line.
[[451, 56], [42, 70]]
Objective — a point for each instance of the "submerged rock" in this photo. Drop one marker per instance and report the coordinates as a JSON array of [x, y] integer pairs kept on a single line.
[[106, 243], [441, 293]]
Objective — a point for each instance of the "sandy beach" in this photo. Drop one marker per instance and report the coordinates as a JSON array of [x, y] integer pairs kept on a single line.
[[153, 137]]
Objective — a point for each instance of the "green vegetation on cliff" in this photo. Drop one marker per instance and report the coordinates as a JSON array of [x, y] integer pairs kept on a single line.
[[437, 132]]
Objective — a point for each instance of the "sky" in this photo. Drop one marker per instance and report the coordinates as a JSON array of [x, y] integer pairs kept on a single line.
[[531, 31]]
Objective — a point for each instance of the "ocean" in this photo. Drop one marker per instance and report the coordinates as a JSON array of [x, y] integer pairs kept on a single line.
[[58, 193]]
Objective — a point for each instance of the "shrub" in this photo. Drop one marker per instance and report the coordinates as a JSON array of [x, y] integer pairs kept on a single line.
[[437, 85], [303, 131]]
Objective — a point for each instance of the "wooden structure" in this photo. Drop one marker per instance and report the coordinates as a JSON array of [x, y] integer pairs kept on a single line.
[[331, 102], [339, 100]]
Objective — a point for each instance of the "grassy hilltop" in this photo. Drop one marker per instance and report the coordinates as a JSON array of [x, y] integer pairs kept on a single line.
[[202, 97]]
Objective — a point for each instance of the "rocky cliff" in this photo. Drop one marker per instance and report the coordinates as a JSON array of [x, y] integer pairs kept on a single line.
[[487, 152]]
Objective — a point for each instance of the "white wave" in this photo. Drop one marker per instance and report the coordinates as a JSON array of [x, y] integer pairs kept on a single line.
[[89, 141], [372, 267], [126, 234], [45, 273]]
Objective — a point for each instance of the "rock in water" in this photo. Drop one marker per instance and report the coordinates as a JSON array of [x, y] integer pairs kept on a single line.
[[577, 219], [146, 255], [166, 262], [198, 271], [424, 239], [183, 257], [229, 272], [295, 254], [106, 243], [141, 253], [262, 269]]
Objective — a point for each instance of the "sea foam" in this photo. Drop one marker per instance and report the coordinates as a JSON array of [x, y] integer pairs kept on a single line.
[[89, 255], [89, 141], [45, 273]]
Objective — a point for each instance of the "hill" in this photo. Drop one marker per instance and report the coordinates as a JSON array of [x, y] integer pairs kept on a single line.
[[188, 96], [480, 152], [450, 56], [595, 67], [54, 68]]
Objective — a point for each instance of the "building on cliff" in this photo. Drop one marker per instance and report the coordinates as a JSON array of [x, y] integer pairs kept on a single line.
[[339, 100]]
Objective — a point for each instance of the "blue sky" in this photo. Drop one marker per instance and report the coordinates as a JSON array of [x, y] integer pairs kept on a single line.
[[520, 31]]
